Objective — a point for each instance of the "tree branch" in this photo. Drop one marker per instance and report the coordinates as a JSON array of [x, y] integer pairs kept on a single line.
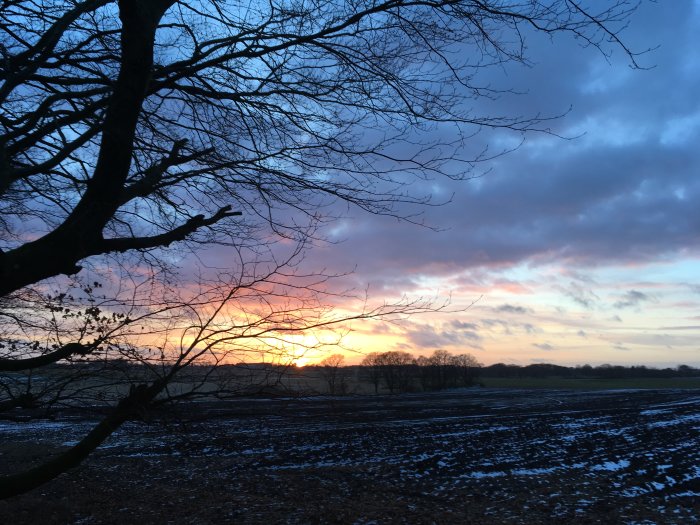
[[22, 66], [16, 365], [132, 405], [165, 239]]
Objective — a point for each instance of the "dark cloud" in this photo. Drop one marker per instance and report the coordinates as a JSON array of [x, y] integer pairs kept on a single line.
[[531, 329], [428, 336], [461, 325], [510, 309], [497, 323], [543, 346], [509, 327], [631, 299], [580, 294], [625, 190]]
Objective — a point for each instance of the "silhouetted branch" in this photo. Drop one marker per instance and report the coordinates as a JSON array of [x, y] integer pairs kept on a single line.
[[68, 350], [177, 234], [129, 407]]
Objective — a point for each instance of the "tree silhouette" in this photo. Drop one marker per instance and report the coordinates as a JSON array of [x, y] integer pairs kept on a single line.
[[136, 133], [371, 369], [334, 374]]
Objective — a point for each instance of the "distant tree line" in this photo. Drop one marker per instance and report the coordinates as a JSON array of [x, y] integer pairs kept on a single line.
[[397, 372], [605, 371], [379, 372]]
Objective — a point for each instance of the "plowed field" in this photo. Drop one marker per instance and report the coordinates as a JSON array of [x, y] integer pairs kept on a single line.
[[469, 456]]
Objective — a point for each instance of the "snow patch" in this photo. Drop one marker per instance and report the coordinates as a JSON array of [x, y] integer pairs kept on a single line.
[[611, 466]]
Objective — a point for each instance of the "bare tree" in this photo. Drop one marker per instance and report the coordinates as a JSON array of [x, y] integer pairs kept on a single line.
[[445, 370], [333, 372], [396, 370], [442, 363], [468, 368], [135, 132], [371, 368]]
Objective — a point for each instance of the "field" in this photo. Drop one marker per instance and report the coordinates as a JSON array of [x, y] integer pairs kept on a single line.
[[568, 383], [468, 456]]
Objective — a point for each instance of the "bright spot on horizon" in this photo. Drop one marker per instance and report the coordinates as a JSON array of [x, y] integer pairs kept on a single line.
[[301, 361]]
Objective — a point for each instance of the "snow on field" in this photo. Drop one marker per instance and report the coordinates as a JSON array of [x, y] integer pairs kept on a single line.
[[571, 453], [612, 466]]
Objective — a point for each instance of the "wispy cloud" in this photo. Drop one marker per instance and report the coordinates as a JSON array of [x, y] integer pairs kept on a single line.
[[428, 336], [631, 299], [543, 346], [510, 309]]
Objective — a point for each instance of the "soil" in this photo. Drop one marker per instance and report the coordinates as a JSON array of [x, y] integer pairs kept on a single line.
[[467, 456]]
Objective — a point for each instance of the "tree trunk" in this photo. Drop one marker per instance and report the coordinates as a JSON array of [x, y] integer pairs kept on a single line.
[[130, 406], [80, 235]]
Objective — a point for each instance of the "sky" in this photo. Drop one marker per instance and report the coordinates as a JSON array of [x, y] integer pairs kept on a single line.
[[575, 250]]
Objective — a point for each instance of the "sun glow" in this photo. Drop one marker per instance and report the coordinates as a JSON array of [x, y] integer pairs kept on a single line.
[[301, 361]]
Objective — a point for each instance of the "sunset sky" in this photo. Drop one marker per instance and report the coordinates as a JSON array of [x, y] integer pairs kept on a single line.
[[573, 251]]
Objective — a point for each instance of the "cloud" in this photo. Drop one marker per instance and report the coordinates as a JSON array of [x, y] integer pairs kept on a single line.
[[510, 309], [461, 325], [531, 329], [580, 295], [619, 193], [631, 299], [497, 323], [543, 346], [428, 336]]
